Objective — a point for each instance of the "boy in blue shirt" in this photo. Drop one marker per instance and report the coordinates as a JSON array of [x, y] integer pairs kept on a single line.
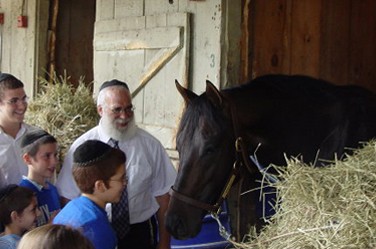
[[99, 171], [40, 154]]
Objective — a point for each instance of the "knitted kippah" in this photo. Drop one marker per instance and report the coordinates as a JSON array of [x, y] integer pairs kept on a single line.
[[6, 191], [90, 152], [33, 136], [113, 83]]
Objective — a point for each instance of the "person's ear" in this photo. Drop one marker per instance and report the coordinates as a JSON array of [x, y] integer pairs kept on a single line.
[[100, 110], [100, 186], [14, 216], [27, 158]]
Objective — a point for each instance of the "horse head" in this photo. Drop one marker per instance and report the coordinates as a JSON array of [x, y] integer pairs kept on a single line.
[[205, 160]]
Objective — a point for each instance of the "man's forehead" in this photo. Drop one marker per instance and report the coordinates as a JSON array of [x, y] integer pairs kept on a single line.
[[116, 96], [18, 92]]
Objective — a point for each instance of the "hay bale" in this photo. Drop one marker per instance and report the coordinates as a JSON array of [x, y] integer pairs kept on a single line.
[[331, 207], [62, 110]]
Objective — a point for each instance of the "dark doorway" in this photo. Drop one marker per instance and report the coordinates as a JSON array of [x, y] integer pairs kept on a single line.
[[74, 30]]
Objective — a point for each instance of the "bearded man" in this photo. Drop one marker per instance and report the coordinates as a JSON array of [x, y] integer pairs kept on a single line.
[[149, 170]]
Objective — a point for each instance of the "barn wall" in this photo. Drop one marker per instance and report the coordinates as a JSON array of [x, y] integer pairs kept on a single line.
[[214, 34], [24, 50], [332, 40]]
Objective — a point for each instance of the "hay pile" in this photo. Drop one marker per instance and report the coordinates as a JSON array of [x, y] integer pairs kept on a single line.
[[333, 207], [62, 110]]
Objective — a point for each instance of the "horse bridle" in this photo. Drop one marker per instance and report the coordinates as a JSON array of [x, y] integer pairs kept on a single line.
[[216, 208], [241, 159]]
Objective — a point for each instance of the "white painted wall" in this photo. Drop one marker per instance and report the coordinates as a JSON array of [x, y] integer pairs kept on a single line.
[[24, 49], [214, 36]]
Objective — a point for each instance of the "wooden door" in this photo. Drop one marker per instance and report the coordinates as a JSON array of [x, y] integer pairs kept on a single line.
[[149, 53]]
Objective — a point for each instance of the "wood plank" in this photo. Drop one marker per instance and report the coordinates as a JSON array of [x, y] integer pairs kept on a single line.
[[182, 19], [305, 37], [155, 65], [105, 10], [335, 39], [138, 39], [270, 46], [156, 7], [156, 21], [362, 49], [125, 23], [126, 8]]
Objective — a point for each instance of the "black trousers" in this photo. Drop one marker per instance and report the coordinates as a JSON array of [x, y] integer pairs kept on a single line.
[[141, 236]]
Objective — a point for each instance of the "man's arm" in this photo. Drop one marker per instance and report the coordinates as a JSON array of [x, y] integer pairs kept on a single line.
[[164, 235]]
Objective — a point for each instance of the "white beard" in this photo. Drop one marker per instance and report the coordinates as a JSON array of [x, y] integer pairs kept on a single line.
[[120, 135]]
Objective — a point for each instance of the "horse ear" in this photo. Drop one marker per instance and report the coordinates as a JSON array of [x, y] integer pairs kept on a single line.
[[187, 95], [213, 94]]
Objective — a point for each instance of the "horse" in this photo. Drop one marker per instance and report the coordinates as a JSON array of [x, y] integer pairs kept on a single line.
[[227, 135]]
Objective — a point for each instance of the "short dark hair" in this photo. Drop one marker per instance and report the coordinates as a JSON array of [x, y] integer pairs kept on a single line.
[[8, 81], [13, 198], [94, 160]]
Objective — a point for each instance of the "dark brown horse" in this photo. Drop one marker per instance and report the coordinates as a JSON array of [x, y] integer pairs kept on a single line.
[[270, 117]]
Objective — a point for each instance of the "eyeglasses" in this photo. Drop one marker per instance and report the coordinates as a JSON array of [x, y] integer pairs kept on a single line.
[[127, 110], [123, 180], [15, 101]]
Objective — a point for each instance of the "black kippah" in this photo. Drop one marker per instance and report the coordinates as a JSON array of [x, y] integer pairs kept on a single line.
[[33, 136], [6, 191], [113, 83], [90, 152]]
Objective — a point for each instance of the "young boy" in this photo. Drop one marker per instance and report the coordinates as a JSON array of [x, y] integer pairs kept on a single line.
[[99, 171], [40, 153], [13, 105], [18, 213]]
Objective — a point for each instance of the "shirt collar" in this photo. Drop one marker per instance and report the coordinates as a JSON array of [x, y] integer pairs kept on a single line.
[[21, 131], [37, 185]]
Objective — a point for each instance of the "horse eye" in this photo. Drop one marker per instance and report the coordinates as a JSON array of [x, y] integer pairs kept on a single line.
[[209, 150]]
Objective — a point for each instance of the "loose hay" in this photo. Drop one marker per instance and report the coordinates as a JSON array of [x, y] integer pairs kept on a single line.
[[62, 110], [331, 207]]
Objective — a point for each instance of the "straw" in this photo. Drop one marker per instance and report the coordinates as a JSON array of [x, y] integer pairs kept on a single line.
[[328, 207]]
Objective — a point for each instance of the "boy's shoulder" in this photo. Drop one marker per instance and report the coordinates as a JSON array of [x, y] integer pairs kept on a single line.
[[27, 183], [9, 241], [80, 210]]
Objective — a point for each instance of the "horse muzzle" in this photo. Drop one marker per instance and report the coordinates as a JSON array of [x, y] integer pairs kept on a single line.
[[182, 222]]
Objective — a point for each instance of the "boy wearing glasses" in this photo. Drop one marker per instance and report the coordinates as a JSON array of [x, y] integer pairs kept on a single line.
[[99, 172], [13, 105]]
